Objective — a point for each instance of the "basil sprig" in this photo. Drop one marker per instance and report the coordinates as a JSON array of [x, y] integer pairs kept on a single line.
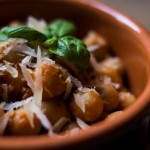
[[71, 49], [60, 28], [22, 32], [56, 38]]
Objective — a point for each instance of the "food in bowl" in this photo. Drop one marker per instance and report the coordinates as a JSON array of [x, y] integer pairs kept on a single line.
[[52, 82]]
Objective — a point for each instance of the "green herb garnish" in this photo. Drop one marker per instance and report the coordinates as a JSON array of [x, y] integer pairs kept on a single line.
[[71, 49], [22, 32], [56, 38], [60, 28]]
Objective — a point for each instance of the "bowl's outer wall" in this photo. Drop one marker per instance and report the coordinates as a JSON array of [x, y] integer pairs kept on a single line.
[[129, 44]]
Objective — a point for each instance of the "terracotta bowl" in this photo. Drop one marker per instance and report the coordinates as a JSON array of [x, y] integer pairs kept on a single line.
[[128, 40]]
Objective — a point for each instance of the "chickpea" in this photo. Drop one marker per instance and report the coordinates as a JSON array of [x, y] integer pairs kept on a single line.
[[110, 96], [19, 124], [126, 99], [54, 78], [54, 110], [113, 115], [94, 38], [109, 72], [14, 89], [11, 55], [92, 102], [113, 63]]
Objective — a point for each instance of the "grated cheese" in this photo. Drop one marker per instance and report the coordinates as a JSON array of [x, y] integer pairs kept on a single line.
[[94, 62], [12, 70], [108, 81], [28, 111], [3, 123], [25, 49], [7, 67], [92, 48], [75, 81], [37, 89], [38, 85], [68, 88], [82, 124], [113, 63], [41, 116], [26, 61], [38, 25], [74, 131], [27, 75], [81, 97], [15, 105]]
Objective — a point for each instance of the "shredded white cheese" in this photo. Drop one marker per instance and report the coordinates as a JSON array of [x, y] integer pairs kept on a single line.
[[75, 81], [38, 84], [49, 60], [27, 75], [41, 116], [37, 89], [15, 105], [3, 123], [82, 124], [92, 48], [2, 68], [80, 101], [13, 71], [26, 61], [113, 63], [94, 62], [7, 67], [68, 88], [25, 50], [81, 96], [38, 25], [86, 90], [2, 105], [28, 111], [108, 81], [74, 131], [11, 44]]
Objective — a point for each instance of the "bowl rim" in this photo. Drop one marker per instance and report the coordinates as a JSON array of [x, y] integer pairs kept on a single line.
[[44, 141]]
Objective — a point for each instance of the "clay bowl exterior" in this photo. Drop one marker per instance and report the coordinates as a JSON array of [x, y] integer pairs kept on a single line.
[[128, 40]]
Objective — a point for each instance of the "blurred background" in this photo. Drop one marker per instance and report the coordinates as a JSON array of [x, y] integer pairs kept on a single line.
[[139, 10]]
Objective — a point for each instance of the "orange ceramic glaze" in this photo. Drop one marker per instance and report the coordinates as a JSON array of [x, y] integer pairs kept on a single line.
[[129, 41]]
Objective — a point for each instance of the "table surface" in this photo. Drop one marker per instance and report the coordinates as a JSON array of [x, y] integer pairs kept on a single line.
[[139, 10]]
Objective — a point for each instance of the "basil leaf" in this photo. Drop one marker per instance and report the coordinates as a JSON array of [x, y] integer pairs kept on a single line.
[[23, 32], [71, 49], [59, 28], [3, 37]]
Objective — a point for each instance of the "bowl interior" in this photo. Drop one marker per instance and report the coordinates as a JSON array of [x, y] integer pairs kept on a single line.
[[127, 40]]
